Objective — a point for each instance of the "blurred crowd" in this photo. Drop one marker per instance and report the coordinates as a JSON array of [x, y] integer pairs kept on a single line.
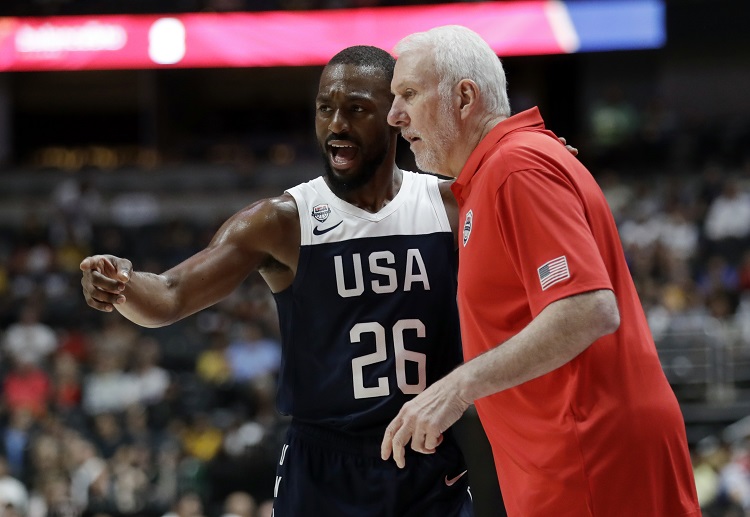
[[680, 192], [101, 417], [688, 244]]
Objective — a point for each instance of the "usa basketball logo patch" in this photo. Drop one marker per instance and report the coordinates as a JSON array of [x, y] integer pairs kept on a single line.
[[321, 212], [467, 226]]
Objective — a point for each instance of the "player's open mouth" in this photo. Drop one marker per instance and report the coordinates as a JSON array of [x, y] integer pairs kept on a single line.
[[342, 154]]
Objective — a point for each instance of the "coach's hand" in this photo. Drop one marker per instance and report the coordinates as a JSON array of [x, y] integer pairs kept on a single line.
[[572, 150], [423, 420], [104, 279]]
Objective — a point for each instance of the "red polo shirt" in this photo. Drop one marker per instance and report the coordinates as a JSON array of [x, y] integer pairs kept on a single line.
[[602, 435]]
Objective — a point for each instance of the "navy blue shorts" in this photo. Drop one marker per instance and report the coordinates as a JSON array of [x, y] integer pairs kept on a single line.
[[323, 473]]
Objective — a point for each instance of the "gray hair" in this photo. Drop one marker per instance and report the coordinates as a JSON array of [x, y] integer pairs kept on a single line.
[[460, 53]]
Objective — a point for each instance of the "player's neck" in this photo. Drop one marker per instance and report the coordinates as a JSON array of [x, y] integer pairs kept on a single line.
[[378, 192]]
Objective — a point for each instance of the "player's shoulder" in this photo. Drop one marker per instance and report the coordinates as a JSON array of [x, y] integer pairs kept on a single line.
[[444, 185], [442, 182], [283, 204], [439, 186], [279, 211]]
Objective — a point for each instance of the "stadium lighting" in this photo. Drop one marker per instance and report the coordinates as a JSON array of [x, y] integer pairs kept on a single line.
[[203, 40]]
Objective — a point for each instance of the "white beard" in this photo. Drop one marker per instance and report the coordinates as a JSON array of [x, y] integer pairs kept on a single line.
[[436, 150]]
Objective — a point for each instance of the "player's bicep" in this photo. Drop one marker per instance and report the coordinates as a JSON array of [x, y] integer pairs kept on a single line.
[[237, 249]]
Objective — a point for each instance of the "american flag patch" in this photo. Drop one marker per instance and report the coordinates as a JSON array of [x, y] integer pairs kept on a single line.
[[556, 270]]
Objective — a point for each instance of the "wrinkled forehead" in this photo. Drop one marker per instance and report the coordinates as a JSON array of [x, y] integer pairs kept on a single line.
[[415, 67], [358, 80]]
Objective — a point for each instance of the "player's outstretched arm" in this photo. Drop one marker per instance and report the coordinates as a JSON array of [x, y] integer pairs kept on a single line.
[[265, 231]]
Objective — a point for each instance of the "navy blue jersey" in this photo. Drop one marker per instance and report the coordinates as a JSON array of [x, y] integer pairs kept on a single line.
[[371, 318]]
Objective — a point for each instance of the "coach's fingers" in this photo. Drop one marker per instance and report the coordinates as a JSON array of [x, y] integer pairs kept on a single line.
[[572, 150], [386, 446], [425, 441], [400, 440], [432, 441], [417, 442]]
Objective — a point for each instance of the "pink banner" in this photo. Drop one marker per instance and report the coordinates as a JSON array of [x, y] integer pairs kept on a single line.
[[258, 39]]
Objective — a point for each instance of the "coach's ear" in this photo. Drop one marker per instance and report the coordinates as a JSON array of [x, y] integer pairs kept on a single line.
[[468, 94]]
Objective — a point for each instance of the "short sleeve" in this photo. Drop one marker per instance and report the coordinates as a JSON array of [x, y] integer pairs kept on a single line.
[[548, 238]]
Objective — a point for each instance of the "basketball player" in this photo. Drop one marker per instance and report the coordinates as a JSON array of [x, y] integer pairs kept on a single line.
[[361, 262]]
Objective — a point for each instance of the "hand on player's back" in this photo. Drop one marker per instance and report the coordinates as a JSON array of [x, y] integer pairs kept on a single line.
[[572, 150]]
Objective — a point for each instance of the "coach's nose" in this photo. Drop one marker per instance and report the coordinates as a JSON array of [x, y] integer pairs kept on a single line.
[[397, 115]]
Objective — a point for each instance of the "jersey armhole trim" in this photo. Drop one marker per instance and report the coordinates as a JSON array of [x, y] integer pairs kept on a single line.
[[305, 226], [433, 187]]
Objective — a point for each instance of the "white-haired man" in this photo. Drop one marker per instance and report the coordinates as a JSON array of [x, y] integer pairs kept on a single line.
[[560, 361]]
